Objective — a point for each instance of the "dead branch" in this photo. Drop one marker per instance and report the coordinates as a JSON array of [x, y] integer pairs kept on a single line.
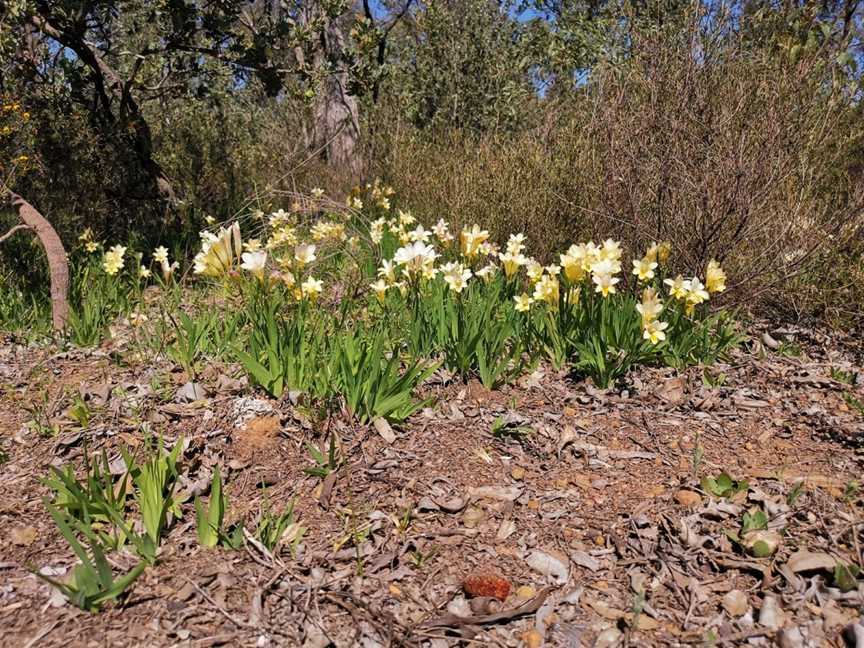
[[58, 265]]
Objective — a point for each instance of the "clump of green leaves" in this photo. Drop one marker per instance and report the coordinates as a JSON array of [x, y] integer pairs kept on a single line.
[[209, 521], [274, 529], [371, 383], [191, 338], [324, 463], [723, 485], [92, 582], [284, 350], [154, 487]]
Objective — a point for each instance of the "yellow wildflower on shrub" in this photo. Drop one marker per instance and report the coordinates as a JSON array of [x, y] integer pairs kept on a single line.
[[113, 260], [715, 278]]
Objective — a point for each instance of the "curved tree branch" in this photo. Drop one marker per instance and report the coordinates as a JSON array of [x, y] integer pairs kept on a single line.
[[58, 265]]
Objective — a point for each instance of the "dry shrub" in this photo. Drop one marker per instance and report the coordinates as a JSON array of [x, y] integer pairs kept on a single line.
[[729, 151]]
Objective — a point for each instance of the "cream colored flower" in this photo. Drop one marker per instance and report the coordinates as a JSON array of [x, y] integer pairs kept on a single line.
[[91, 246], [304, 254], [487, 272], [218, 252], [113, 260], [387, 272], [380, 289], [419, 234], [512, 262], [456, 276], [516, 244], [679, 287], [312, 288], [160, 254], [611, 250], [471, 239], [572, 262], [653, 331], [252, 245], [644, 268], [254, 262], [317, 193], [697, 293], [441, 231], [605, 284], [534, 270], [144, 272], [523, 302], [376, 230], [651, 306], [547, 289], [416, 257]]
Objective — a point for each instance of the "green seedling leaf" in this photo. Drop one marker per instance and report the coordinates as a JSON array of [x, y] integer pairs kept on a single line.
[[846, 576], [723, 485]]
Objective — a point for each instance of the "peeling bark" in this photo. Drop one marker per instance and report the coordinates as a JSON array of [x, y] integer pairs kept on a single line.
[[58, 265]]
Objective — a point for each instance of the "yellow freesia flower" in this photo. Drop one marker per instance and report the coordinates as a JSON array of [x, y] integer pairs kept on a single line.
[[512, 262], [653, 331], [715, 278], [547, 289], [91, 246], [678, 287], [651, 306], [456, 276], [644, 268], [534, 270], [113, 262], [523, 302], [160, 254], [144, 272], [312, 288], [516, 244], [471, 239]]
